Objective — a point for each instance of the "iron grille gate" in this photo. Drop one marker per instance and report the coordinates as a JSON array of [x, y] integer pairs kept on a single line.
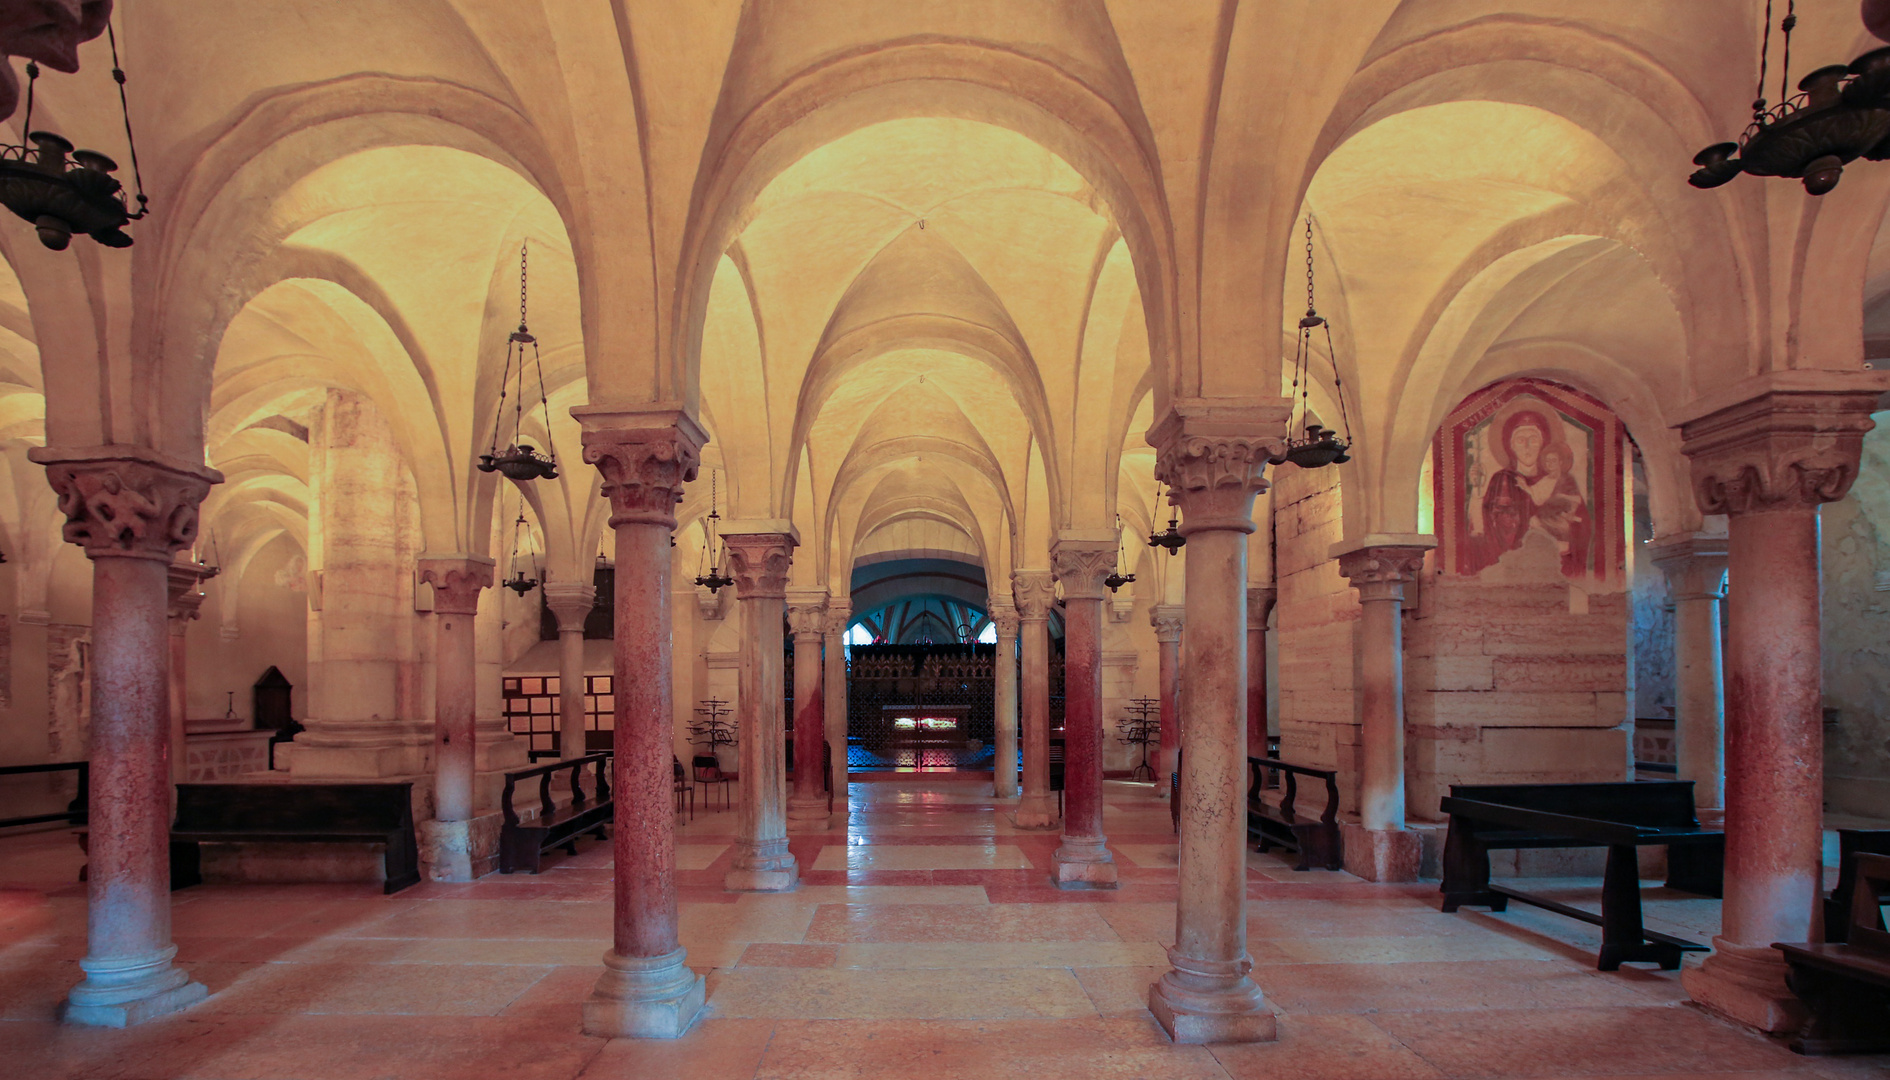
[[920, 706]]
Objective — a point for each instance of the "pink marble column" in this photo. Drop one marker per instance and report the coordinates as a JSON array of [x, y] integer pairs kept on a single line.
[[1167, 620], [571, 603], [834, 696], [760, 554], [1004, 708], [1379, 847], [1260, 600], [130, 509], [807, 809], [647, 989], [1082, 561], [185, 604], [1768, 453], [1035, 591], [1695, 566], [1213, 455], [457, 581]]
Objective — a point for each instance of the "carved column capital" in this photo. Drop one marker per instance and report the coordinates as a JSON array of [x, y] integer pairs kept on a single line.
[[1213, 453], [645, 456], [1004, 617], [126, 501], [807, 614], [571, 602], [1788, 441], [1081, 563], [1035, 592], [1381, 571], [456, 581], [1260, 601], [759, 563], [839, 615], [1167, 619], [1695, 565]]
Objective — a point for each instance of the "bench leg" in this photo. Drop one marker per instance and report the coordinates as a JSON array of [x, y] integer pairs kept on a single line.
[[1467, 871], [1847, 1017], [1622, 940]]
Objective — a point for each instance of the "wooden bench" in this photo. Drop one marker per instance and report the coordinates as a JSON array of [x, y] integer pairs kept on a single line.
[[1282, 825], [1837, 906], [522, 845], [1174, 782], [295, 814], [1846, 986], [75, 811], [1621, 817]]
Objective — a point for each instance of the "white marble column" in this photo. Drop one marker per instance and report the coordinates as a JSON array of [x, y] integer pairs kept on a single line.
[[647, 989], [1768, 453], [1034, 592], [457, 581], [1213, 456], [1004, 707], [571, 603], [760, 554], [1695, 565], [131, 509], [834, 695], [1379, 847], [807, 615], [1167, 621]]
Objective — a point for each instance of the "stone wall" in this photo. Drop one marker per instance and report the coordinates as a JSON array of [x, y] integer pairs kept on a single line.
[[1314, 623], [1857, 638]]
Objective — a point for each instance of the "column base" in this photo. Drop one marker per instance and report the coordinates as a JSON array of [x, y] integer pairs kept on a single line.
[[1747, 984], [767, 868], [1037, 812], [655, 997], [1085, 863], [807, 815], [119, 993], [1207, 1001], [459, 850], [1381, 854]]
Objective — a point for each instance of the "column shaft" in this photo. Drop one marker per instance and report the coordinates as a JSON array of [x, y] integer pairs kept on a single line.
[[1083, 860], [1696, 570], [807, 811], [1259, 606], [1379, 848], [457, 581], [570, 603], [1167, 620], [1035, 591], [759, 562], [1004, 690], [834, 697]]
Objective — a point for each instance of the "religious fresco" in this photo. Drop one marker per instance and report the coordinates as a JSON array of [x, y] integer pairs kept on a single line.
[[1529, 480]]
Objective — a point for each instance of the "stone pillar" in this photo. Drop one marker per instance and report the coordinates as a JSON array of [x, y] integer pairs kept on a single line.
[[185, 604], [1379, 847], [646, 990], [1213, 458], [760, 553], [1768, 453], [457, 581], [1034, 592], [130, 509], [571, 603], [1167, 619], [807, 614], [1695, 566], [834, 696], [1004, 677], [1082, 560], [1260, 600]]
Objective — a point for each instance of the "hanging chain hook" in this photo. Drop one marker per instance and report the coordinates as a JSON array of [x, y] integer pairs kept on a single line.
[[118, 75]]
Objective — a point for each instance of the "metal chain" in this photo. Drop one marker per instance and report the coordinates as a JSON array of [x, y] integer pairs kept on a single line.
[[1785, 70], [26, 125], [1765, 54], [523, 281], [118, 73], [1309, 276]]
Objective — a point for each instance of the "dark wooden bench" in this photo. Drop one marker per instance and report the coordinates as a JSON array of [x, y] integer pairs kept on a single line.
[[1282, 825], [295, 814], [523, 844], [1846, 985], [75, 811], [1621, 817], [1058, 769], [1837, 906]]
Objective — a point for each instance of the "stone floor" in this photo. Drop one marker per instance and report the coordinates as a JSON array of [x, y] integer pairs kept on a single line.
[[926, 941]]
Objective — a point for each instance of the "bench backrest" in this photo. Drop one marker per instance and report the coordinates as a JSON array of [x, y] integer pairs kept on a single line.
[[600, 790], [1869, 900], [357, 808], [1658, 803]]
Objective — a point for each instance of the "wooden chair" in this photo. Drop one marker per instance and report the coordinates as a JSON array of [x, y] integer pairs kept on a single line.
[[709, 774], [681, 788]]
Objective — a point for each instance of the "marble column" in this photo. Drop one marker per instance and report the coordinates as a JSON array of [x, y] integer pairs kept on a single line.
[[834, 696], [183, 581], [647, 990], [1213, 455], [1004, 708], [1167, 620], [571, 602], [1695, 565], [1034, 592], [807, 615], [457, 581], [760, 553], [1768, 453], [131, 509], [1260, 600], [1379, 847], [1082, 560]]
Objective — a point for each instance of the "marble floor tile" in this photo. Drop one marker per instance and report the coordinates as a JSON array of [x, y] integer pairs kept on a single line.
[[766, 954], [1148, 854], [1326, 1048], [1094, 1049], [716, 1048], [1451, 985], [381, 989], [883, 894], [856, 994], [754, 917], [981, 856], [959, 923], [1059, 954], [1574, 1042]]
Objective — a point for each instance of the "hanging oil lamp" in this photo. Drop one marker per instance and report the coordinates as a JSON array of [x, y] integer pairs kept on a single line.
[[1842, 113], [709, 573], [64, 191], [520, 584], [1117, 579], [1319, 446], [1170, 537], [520, 461]]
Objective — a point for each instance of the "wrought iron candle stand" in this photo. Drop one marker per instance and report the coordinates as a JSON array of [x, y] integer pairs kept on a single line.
[[1143, 726]]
